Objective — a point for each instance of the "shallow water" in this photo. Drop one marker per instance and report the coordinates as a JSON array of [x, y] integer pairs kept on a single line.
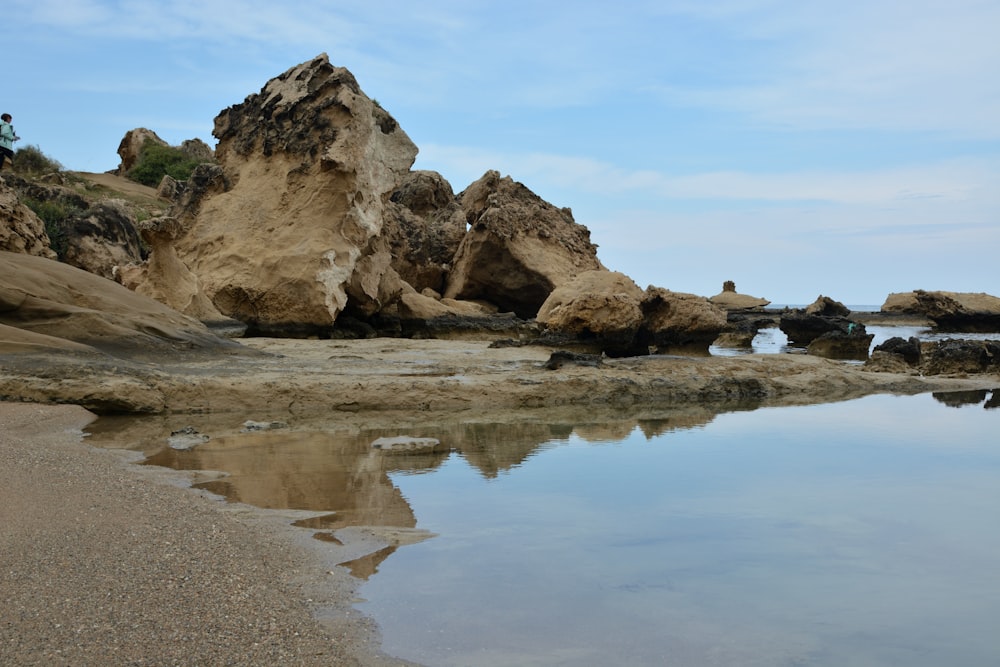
[[774, 341], [858, 533], [854, 533]]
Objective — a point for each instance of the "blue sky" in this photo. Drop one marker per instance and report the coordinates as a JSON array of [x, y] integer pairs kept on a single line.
[[850, 149]]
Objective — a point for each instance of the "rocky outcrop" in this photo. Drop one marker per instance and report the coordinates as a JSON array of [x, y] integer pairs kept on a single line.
[[518, 249], [602, 308], [103, 237], [21, 231], [48, 305], [824, 306], [424, 227], [851, 344], [130, 148], [674, 321], [949, 311], [947, 357], [730, 299], [609, 311], [285, 231], [803, 326]]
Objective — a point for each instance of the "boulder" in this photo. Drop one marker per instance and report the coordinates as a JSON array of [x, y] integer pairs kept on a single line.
[[179, 288], [21, 231], [851, 344], [949, 311], [599, 307], [424, 227], [131, 146], [518, 248], [961, 357], [676, 321], [824, 306], [908, 350], [730, 299], [50, 305], [281, 233], [101, 238]]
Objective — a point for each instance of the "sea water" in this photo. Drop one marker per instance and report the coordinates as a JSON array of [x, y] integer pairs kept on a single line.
[[854, 533], [861, 532]]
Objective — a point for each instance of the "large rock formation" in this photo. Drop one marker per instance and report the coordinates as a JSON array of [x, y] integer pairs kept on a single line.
[[21, 231], [286, 230], [518, 248], [130, 148], [949, 311], [424, 227], [611, 312], [48, 305]]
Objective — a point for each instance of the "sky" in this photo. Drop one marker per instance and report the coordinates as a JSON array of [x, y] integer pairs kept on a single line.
[[845, 149]]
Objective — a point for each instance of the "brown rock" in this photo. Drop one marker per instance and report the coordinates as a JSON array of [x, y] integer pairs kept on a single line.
[[424, 226], [949, 311], [131, 145], [21, 231], [673, 320], [730, 299], [518, 249], [278, 231], [600, 306], [52, 301]]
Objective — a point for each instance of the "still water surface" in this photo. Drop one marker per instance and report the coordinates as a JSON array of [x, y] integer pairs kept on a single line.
[[854, 533]]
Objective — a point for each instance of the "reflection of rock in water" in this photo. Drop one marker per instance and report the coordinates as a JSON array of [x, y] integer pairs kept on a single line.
[[957, 399], [305, 471]]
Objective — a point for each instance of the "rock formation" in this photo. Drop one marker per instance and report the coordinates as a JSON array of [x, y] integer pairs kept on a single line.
[[824, 315], [48, 305], [131, 146], [609, 310], [946, 357], [949, 311], [730, 299], [21, 230], [286, 230], [518, 247]]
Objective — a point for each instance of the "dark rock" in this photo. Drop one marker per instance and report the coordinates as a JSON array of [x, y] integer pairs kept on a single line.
[[909, 349]]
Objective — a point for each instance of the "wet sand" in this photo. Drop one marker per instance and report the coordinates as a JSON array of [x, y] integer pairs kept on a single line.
[[106, 563]]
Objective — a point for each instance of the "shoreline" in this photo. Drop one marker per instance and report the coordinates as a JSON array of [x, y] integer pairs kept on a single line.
[[96, 571], [107, 562]]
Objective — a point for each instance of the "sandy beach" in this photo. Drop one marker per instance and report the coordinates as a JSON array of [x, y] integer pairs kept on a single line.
[[106, 563]]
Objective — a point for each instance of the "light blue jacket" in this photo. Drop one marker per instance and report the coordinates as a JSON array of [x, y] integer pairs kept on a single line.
[[7, 135]]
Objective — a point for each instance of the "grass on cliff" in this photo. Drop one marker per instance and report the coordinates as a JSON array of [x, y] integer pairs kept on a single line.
[[157, 161]]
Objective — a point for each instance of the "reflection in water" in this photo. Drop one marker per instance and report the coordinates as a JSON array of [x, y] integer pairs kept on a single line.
[[860, 532]]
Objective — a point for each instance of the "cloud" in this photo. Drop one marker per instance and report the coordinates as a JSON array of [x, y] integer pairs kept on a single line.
[[951, 180], [922, 66]]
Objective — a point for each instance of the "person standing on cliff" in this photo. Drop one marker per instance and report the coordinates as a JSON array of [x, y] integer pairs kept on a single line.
[[7, 139]]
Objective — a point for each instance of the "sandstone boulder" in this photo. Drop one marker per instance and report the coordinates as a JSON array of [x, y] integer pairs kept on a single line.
[[518, 249], [131, 146], [179, 289], [101, 238], [949, 311], [21, 231], [424, 227], [824, 306], [277, 232], [676, 320], [48, 304], [603, 307], [851, 344], [730, 299]]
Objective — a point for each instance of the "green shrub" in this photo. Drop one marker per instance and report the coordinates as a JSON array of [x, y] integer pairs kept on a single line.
[[157, 160], [31, 162], [55, 214]]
